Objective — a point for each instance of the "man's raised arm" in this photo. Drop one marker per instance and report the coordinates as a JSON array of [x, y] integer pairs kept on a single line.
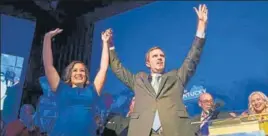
[[119, 70], [189, 65]]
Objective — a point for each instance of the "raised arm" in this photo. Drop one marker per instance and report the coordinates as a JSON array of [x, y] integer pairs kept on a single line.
[[50, 71], [189, 65], [104, 64], [119, 70]]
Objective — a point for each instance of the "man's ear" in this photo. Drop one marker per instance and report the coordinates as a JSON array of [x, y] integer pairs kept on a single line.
[[199, 103], [148, 64]]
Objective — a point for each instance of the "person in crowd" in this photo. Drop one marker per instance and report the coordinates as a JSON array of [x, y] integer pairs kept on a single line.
[[208, 113], [159, 108], [76, 96], [3, 91], [2, 127], [257, 104], [10, 78], [99, 125], [116, 125], [9, 95], [24, 126]]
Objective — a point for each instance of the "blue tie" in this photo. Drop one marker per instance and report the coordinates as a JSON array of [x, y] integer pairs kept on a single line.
[[155, 83]]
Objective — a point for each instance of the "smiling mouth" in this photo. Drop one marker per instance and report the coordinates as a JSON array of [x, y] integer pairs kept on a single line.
[[78, 77], [257, 106]]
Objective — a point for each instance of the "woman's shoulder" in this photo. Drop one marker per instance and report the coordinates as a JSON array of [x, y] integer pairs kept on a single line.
[[63, 86], [91, 88]]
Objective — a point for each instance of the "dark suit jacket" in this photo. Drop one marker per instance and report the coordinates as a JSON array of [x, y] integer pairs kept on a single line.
[[216, 115], [116, 126], [168, 101]]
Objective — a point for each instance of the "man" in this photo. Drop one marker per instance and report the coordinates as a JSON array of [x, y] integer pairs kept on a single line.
[[10, 78], [3, 91], [206, 103], [159, 109], [116, 125]]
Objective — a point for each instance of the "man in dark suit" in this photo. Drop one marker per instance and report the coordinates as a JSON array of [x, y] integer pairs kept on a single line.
[[206, 103], [116, 125], [159, 108]]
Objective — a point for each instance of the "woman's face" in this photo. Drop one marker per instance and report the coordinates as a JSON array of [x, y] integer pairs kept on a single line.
[[78, 76], [258, 103]]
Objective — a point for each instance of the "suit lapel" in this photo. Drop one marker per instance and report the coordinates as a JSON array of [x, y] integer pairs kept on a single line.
[[148, 85]]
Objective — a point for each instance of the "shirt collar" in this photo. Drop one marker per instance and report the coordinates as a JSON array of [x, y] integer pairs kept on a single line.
[[156, 74]]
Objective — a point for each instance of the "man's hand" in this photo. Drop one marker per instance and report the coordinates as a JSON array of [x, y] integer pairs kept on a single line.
[[107, 37], [202, 14], [53, 33]]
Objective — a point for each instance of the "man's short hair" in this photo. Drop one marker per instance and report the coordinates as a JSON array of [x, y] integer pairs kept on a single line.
[[149, 51]]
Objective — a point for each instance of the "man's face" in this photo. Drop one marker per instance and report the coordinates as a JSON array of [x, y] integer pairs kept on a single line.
[[156, 61], [26, 114], [29, 111], [206, 102]]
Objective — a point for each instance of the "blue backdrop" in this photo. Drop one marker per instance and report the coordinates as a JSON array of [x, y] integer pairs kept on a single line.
[[16, 42], [233, 63]]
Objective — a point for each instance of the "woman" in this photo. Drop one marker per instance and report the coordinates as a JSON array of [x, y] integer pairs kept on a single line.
[[76, 95], [258, 103]]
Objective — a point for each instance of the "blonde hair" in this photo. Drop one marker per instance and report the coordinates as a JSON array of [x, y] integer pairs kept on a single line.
[[68, 73], [250, 106]]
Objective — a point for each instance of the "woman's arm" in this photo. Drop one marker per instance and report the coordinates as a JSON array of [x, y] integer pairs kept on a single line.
[[104, 64], [50, 71]]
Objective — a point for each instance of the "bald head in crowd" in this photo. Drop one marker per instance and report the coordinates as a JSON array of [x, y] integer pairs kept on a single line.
[[206, 101]]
